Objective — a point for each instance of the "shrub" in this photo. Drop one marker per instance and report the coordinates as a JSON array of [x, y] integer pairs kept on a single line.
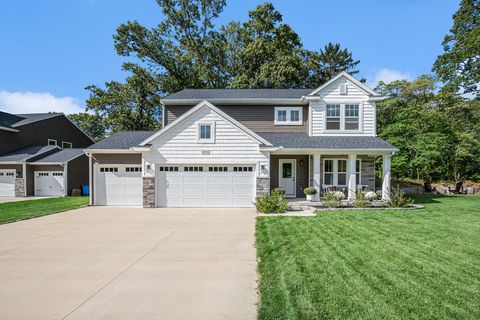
[[272, 203], [310, 191], [370, 196], [331, 200], [339, 195], [379, 194], [361, 201], [399, 200], [279, 190]]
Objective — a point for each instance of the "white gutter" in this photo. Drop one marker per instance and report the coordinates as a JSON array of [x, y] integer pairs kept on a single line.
[[373, 99], [86, 151], [9, 129], [141, 149]]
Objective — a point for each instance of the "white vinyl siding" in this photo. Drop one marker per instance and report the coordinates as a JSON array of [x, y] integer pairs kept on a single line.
[[331, 96], [179, 145]]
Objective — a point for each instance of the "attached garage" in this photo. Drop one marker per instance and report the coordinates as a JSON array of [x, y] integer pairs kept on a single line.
[[118, 185], [205, 185], [7, 183], [49, 184]]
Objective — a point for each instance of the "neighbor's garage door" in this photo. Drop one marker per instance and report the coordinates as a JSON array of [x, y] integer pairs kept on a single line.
[[117, 185], [205, 186], [7, 183], [49, 184]]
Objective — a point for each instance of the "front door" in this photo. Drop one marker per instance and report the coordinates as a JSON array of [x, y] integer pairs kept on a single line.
[[287, 177]]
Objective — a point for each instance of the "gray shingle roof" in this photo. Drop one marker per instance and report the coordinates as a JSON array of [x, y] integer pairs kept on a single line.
[[304, 141], [12, 121], [221, 94], [61, 156], [32, 117], [122, 140], [27, 153]]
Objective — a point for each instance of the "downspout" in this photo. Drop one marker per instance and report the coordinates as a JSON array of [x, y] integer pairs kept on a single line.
[[24, 168], [90, 197], [65, 179]]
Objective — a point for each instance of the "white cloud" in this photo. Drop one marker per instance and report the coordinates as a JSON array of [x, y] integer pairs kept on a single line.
[[37, 102], [388, 75]]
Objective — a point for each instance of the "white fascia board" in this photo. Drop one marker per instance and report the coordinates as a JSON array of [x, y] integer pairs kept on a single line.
[[141, 149], [46, 163], [373, 99], [12, 162], [335, 151], [222, 114], [349, 77], [91, 151], [298, 101]]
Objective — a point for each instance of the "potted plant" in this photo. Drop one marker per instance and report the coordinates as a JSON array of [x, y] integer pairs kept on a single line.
[[310, 193]]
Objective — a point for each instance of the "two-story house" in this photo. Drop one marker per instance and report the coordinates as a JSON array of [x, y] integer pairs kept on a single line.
[[41, 154], [222, 148]]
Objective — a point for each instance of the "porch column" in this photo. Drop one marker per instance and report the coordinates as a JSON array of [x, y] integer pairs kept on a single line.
[[352, 176], [316, 174], [386, 184]]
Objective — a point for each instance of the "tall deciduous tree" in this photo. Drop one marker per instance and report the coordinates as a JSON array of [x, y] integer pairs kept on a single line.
[[459, 66], [133, 105]]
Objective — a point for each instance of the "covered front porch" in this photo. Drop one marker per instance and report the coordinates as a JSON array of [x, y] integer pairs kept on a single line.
[[326, 171]]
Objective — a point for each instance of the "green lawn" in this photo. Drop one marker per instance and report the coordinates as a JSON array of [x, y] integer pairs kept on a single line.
[[384, 264], [21, 210]]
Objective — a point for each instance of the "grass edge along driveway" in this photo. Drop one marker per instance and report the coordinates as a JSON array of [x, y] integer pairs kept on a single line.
[[384, 264], [21, 210]]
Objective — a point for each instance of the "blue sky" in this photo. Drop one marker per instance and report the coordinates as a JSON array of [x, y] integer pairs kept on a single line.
[[51, 49]]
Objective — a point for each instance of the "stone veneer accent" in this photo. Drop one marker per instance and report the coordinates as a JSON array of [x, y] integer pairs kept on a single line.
[[149, 192], [263, 186], [19, 187]]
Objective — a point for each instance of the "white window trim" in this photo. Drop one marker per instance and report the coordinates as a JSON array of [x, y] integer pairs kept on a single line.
[[289, 122], [335, 172], [48, 142], [342, 117], [212, 132], [65, 142]]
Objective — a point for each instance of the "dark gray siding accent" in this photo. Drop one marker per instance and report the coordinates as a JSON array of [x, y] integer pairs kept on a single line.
[[77, 172], [256, 118], [37, 133], [118, 158], [301, 172]]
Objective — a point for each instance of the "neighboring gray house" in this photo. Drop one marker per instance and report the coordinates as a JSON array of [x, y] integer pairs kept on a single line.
[[41, 154], [222, 148]]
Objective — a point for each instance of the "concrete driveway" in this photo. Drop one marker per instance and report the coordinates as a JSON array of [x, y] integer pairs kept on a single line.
[[128, 263]]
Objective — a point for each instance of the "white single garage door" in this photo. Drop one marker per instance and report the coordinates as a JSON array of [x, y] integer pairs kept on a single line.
[[209, 186], [49, 184], [7, 183], [118, 185]]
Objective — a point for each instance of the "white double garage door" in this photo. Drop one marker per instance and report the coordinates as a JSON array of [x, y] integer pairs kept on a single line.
[[47, 183], [209, 186]]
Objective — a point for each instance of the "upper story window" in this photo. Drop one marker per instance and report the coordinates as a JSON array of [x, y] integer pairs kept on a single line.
[[66, 145], [52, 142], [206, 132], [351, 117], [333, 117], [288, 116], [343, 117]]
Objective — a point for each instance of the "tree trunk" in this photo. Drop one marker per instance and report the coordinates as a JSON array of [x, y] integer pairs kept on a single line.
[[427, 186], [458, 186]]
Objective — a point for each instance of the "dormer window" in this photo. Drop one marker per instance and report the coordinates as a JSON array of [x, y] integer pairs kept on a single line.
[[206, 132], [342, 117], [288, 116]]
